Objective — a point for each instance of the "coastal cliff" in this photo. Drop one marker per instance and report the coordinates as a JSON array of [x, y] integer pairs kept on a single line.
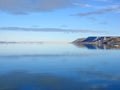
[[100, 42]]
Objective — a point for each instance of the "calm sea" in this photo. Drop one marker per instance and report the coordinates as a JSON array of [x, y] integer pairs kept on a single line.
[[62, 66]]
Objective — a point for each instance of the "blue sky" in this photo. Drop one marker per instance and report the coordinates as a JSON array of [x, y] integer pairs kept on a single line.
[[63, 20]]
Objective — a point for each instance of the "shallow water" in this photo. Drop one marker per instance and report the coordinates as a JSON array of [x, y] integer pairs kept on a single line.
[[58, 67]]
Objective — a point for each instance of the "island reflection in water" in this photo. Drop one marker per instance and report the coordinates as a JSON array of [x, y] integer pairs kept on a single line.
[[98, 46], [58, 67]]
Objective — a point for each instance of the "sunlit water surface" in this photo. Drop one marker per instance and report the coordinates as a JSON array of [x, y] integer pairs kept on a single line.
[[58, 67]]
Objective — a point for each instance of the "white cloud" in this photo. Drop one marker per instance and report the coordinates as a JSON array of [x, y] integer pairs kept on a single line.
[[112, 8], [26, 6], [49, 30]]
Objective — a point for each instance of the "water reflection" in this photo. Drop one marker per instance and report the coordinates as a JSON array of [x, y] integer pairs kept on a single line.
[[104, 75], [35, 81], [58, 67], [100, 46], [43, 50]]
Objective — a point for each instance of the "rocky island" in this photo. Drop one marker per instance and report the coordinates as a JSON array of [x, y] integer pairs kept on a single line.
[[99, 42]]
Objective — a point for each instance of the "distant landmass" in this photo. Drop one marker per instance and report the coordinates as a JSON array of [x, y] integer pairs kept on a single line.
[[89, 42], [33, 42], [98, 42], [5, 42]]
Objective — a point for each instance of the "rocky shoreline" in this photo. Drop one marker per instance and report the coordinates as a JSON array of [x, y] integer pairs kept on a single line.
[[99, 42]]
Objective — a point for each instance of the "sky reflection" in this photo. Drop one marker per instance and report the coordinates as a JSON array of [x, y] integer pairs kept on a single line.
[[58, 67]]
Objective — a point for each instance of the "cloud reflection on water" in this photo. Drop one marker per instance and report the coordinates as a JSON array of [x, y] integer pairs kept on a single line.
[[34, 81]]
